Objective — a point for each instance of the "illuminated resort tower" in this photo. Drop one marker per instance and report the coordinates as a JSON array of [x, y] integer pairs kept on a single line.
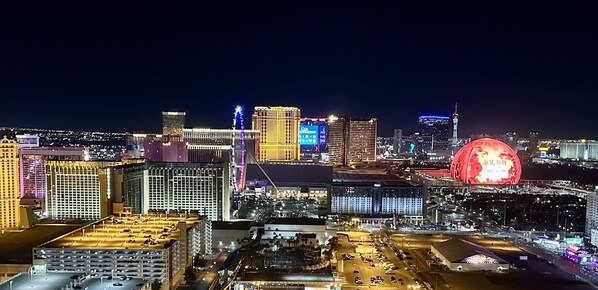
[[455, 122], [279, 132], [9, 183], [173, 123], [79, 189]]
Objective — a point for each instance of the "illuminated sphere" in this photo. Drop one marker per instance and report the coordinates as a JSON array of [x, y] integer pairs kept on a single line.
[[486, 161]]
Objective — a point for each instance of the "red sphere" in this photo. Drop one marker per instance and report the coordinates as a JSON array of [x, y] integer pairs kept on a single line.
[[486, 161]]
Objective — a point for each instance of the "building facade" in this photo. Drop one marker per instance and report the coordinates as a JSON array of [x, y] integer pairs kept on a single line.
[[147, 247], [279, 132], [165, 150], [135, 144], [214, 145], [28, 140], [289, 228], [79, 189], [173, 123], [337, 137], [397, 141], [534, 139], [131, 184], [351, 140], [591, 213], [433, 133], [583, 150], [511, 139], [313, 134], [32, 166], [377, 198], [9, 183], [361, 143], [201, 187]]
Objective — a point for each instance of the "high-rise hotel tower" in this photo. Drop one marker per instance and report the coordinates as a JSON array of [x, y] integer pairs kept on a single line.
[[9, 182], [79, 189], [173, 123], [279, 132]]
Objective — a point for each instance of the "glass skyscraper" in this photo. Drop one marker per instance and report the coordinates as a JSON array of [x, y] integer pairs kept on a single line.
[[173, 123], [433, 133]]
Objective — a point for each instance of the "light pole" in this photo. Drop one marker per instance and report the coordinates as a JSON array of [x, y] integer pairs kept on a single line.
[[557, 216], [504, 223]]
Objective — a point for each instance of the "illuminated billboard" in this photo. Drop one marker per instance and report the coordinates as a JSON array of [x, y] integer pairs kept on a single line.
[[486, 161], [308, 135], [322, 135]]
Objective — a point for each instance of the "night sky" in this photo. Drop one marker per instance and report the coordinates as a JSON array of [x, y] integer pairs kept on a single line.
[[115, 67]]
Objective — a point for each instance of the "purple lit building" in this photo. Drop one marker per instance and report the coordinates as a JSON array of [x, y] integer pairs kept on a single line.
[[32, 169], [165, 150], [135, 142]]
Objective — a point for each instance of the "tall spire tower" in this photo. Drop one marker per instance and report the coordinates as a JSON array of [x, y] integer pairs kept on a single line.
[[455, 122]]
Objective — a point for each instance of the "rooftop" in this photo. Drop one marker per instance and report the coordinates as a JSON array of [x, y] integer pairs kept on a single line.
[[297, 221], [348, 178], [230, 225], [141, 232], [15, 247], [298, 173], [299, 277], [52, 281], [456, 250]]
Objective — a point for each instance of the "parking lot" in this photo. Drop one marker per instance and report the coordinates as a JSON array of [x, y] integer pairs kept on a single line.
[[416, 268]]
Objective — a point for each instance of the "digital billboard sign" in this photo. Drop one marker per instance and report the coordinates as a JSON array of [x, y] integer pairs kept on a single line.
[[322, 135], [308, 135]]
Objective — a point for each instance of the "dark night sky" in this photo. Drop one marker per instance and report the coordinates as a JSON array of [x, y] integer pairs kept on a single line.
[[115, 67]]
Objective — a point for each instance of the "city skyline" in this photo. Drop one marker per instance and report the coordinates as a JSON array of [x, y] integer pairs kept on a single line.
[[283, 145], [392, 63]]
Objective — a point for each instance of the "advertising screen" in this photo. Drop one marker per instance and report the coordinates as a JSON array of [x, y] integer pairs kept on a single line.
[[486, 161], [322, 135], [308, 135]]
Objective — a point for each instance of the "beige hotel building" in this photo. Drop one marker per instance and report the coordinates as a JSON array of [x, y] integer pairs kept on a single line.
[[279, 132]]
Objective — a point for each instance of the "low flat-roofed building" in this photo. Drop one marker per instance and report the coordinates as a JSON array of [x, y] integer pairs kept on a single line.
[[15, 246], [461, 255], [53, 281], [288, 281], [291, 179], [229, 234], [439, 177], [377, 194], [288, 228], [153, 247]]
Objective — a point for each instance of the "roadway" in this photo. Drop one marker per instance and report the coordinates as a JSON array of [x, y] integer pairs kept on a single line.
[[207, 277], [581, 272]]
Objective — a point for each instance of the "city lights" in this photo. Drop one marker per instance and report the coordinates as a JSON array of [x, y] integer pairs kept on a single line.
[[298, 146]]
